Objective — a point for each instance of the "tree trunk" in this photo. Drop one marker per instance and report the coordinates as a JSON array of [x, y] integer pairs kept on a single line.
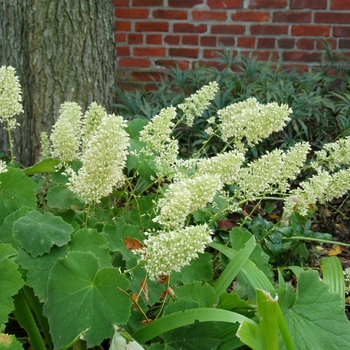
[[62, 51]]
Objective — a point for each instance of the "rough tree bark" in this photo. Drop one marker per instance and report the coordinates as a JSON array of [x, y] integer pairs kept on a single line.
[[62, 51]]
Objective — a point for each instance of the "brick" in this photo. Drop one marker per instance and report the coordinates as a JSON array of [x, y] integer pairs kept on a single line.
[[181, 52], [332, 17], [184, 3], [292, 17], [251, 16], [262, 55], [340, 5], [227, 29], [190, 40], [209, 15], [172, 63], [121, 3], [341, 31], [123, 51], [344, 44], [134, 39], [226, 40], [306, 44], [149, 51], [120, 38], [331, 42], [151, 26], [225, 4], [286, 43], [189, 28], [146, 76], [258, 4], [310, 30], [210, 53], [134, 62], [170, 14], [172, 39], [208, 41], [121, 26], [257, 29], [266, 43], [246, 42], [301, 56], [147, 2], [131, 13], [154, 39], [308, 4]]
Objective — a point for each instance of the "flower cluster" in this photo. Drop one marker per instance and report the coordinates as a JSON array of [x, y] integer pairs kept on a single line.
[[251, 121], [184, 197], [335, 154], [171, 250], [103, 161], [308, 193], [3, 167], [226, 165], [197, 103], [157, 135], [92, 119], [10, 96], [66, 134]]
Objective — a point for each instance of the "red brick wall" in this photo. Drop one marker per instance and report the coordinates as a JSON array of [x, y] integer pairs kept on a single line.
[[152, 35]]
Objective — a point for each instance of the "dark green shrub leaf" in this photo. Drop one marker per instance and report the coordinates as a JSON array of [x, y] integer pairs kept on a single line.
[[62, 198]]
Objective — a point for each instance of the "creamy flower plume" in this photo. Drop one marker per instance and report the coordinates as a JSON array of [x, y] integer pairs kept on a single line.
[[250, 121], [198, 102], [10, 96], [157, 135], [184, 197], [66, 134], [91, 121], [103, 161], [168, 251], [3, 167]]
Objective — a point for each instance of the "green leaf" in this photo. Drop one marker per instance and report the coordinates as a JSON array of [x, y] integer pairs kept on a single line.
[[89, 240], [234, 267], [9, 342], [83, 297], [232, 302], [199, 269], [10, 281], [193, 337], [62, 198], [6, 230], [202, 293], [16, 190], [38, 232], [333, 275], [184, 318], [38, 269], [314, 316], [44, 166]]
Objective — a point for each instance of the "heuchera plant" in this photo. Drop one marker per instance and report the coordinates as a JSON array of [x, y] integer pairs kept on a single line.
[[111, 238]]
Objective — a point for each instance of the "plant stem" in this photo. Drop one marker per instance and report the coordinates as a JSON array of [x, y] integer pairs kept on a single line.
[[10, 143], [26, 320]]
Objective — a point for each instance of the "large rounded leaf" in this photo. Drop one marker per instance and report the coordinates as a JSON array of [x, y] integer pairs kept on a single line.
[[83, 298]]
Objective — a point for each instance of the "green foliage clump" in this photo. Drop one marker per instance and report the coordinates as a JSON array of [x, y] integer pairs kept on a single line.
[[115, 238]]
